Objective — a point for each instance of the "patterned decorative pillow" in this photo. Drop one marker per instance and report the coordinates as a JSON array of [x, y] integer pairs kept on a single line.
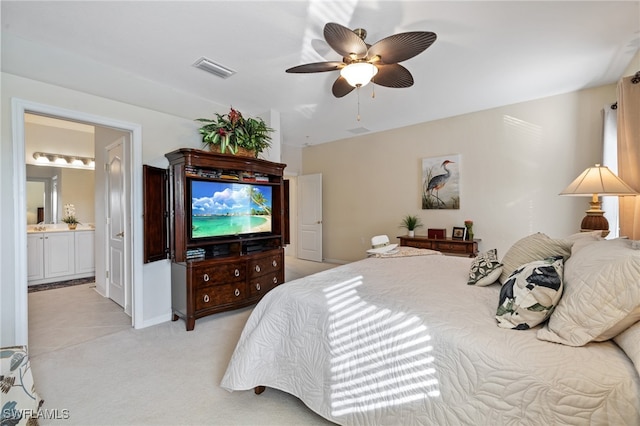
[[485, 269], [533, 247], [20, 402], [530, 294]]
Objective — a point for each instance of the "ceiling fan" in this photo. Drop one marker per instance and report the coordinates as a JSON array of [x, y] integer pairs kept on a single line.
[[362, 62]]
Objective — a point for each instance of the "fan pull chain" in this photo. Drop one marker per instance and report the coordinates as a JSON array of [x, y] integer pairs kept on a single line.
[[358, 92]]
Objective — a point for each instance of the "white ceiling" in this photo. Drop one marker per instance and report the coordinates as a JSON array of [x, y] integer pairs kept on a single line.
[[487, 54]]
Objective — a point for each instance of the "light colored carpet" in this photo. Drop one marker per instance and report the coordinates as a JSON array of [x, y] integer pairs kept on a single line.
[[63, 317], [154, 376]]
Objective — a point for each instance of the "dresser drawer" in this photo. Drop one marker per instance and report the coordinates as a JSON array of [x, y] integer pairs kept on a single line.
[[222, 294], [220, 272], [269, 264], [259, 286], [450, 247], [422, 244]]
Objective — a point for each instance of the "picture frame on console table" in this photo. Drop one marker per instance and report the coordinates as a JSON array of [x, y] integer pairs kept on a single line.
[[459, 233]]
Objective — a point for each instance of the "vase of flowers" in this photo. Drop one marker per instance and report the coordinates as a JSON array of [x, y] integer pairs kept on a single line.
[[235, 134], [469, 225], [70, 216]]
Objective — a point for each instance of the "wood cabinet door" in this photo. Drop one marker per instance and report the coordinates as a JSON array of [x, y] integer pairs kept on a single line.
[[286, 231], [155, 214]]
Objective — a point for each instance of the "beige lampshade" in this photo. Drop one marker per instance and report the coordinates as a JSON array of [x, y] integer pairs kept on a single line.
[[594, 181], [598, 180]]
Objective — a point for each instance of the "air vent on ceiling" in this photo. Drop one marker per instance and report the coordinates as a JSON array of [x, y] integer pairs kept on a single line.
[[358, 130], [216, 69]]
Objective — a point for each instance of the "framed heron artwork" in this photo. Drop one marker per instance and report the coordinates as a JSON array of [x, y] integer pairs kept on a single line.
[[441, 182]]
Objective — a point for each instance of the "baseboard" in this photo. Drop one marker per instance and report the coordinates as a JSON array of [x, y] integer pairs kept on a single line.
[[336, 261], [156, 320]]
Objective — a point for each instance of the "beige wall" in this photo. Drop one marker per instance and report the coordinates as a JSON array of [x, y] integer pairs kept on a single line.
[[77, 188], [514, 162]]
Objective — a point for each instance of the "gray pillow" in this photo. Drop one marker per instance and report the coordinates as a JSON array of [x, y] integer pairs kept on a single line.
[[533, 247]]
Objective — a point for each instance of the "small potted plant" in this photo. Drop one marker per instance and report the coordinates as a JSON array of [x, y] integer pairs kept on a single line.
[[411, 223], [70, 216], [235, 134]]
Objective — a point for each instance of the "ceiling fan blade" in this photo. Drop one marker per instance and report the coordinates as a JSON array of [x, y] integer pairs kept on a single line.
[[400, 47], [393, 75], [344, 41], [341, 87], [316, 67]]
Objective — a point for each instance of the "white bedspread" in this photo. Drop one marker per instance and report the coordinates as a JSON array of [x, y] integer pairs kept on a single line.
[[406, 341]]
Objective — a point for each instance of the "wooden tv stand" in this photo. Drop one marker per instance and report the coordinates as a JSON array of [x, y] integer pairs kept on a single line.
[[205, 287], [223, 273]]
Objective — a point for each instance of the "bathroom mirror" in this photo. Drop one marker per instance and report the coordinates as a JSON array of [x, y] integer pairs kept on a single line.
[[37, 202], [42, 195]]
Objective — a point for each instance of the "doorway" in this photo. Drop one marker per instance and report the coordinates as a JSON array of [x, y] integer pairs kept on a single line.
[[134, 168]]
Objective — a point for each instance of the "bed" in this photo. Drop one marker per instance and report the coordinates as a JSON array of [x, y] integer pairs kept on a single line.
[[405, 339]]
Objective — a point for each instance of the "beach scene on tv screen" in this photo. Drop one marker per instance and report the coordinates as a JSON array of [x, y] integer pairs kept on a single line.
[[219, 208]]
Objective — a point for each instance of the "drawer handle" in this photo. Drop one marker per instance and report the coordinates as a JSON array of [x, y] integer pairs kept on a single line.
[[274, 263], [258, 286], [257, 268], [206, 298], [237, 292], [206, 277], [275, 280], [236, 273]]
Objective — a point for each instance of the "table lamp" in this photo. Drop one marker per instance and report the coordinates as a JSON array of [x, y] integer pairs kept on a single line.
[[595, 181]]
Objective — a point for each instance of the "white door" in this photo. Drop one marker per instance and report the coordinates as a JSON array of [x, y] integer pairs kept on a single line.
[[310, 217], [116, 224]]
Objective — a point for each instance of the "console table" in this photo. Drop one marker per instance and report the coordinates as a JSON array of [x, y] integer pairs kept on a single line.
[[447, 245]]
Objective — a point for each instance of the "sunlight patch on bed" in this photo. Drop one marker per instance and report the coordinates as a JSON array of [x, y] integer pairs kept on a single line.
[[379, 358]]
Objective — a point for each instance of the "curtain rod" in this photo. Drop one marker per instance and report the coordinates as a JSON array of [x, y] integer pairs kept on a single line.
[[634, 80]]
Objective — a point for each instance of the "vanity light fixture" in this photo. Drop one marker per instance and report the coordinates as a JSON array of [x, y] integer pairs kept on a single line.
[[72, 160]]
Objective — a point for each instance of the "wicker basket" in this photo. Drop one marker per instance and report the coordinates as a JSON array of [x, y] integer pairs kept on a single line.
[[241, 152]]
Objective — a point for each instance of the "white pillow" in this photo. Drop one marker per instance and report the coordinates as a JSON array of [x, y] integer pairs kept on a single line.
[[530, 294], [587, 235], [533, 247], [582, 239], [601, 295], [629, 342]]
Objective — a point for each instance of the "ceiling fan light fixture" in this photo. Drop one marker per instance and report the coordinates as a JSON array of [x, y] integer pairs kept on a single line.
[[359, 74]]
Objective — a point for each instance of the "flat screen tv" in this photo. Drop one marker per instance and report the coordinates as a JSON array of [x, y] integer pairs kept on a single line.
[[224, 209]]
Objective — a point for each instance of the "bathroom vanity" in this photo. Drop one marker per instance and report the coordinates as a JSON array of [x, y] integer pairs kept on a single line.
[[55, 253]]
